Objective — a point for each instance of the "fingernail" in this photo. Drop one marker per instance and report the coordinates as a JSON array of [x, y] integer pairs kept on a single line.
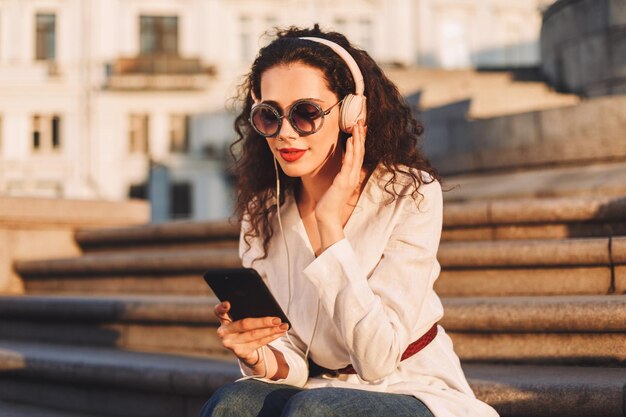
[[284, 326], [276, 321]]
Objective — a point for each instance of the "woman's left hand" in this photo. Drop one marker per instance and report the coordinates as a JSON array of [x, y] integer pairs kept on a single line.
[[330, 208]]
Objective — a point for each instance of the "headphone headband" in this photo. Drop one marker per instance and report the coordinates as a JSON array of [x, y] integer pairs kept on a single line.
[[348, 59]]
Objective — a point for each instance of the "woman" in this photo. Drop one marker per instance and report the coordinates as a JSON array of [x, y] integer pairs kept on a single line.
[[342, 221]]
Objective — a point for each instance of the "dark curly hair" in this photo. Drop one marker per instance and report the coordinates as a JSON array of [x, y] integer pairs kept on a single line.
[[393, 133]]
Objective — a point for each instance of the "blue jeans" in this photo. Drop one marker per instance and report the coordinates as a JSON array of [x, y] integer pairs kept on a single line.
[[253, 398]]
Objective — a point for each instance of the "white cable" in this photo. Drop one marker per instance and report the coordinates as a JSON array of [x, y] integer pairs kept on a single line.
[[308, 348], [282, 232]]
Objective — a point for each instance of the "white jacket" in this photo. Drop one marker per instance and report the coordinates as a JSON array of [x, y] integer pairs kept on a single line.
[[375, 293]]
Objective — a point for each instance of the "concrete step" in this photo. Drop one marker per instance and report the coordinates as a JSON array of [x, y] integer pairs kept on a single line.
[[580, 329], [154, 272], [109, 381], [535, 218], [558, 391], [601, 179], [10, 409], [156, 323], [474, 220], [178, 235], [513, 267], [491, 93], [548, 281], [533, 267], [120, 383], [517, 98], [58, 213]]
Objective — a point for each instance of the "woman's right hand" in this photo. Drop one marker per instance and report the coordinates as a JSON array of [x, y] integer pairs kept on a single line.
[[245, 337]]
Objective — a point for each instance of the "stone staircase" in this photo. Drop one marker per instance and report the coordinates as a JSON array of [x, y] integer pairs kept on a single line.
[[534, 292], [491, 93]]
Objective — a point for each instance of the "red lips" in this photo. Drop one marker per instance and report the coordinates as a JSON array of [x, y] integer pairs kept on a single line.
[[291, 154]]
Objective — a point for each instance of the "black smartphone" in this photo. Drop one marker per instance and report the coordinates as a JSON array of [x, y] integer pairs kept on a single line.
[[246, 292]]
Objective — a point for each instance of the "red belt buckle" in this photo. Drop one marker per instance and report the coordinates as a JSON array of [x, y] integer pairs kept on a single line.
[[411, 350]]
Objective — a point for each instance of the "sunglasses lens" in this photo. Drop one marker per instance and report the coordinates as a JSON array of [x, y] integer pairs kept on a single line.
[[264, 120], [307, 117]]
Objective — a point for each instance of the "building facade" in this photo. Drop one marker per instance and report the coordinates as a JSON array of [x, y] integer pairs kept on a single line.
[[99, 97]]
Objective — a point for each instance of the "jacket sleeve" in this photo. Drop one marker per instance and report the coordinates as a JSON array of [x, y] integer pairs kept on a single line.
[[377, 315], [294, 356], [291, 347]]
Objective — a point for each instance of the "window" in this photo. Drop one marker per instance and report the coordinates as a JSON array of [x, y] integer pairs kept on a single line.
[[46, 131], [179, 133], [138, 191], [138, 133], [56, 126], [158, 35], [45, 39], [180, 204], [36, 132]]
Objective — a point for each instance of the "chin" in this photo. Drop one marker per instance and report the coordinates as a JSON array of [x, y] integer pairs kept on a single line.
[[291, 170]]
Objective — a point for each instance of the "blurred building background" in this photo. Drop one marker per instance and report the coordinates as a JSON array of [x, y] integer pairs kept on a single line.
[[111, 99]]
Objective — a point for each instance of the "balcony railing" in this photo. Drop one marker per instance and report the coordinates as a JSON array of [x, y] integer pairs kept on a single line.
[[158, 72]]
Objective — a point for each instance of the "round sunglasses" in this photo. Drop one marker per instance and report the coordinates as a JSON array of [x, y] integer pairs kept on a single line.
[[306, 117]]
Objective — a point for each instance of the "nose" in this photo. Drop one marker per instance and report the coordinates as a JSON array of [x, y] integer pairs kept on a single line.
[[287, 131]]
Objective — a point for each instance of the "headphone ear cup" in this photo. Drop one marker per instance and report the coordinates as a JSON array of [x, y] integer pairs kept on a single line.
[[352, 110]]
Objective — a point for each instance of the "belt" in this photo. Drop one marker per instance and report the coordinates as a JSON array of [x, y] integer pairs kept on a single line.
[[412, 349]]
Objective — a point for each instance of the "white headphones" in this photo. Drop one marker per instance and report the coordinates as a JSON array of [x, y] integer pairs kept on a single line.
[[353, 106]]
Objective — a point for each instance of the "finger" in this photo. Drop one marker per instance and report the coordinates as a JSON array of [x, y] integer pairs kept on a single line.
[[222, 307], [221, 312], [253, 335], [363, 135], [362, 146], [232, 333], [265, 340], [357, 154], [251, 323], [246, 349]]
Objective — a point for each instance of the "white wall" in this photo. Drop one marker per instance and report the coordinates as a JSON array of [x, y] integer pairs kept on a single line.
[[469, 33]]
